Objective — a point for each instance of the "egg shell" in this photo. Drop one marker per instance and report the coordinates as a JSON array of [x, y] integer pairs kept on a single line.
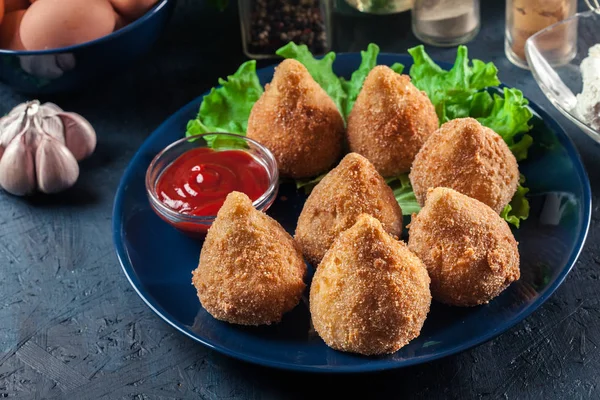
[[13, 5], [2, 10], [133, 9], [121, 21], [9, 31], [51, 24]]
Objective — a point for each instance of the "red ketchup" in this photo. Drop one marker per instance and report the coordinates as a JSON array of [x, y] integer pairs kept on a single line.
[[198, 182]]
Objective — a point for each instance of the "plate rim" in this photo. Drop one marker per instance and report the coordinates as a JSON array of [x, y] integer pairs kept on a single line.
[[130, 274]]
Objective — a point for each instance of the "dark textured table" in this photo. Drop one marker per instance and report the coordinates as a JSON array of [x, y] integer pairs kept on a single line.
[[72, 327]]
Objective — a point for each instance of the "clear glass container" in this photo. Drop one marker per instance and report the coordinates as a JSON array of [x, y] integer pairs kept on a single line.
[[446, 23], [195, 225], [268, 25], [568, 83], [524, 18], [381, 6]]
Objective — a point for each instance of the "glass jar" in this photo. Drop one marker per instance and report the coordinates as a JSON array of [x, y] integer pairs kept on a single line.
[[526, 17], [446, 22], [268, 25], [381, 6]]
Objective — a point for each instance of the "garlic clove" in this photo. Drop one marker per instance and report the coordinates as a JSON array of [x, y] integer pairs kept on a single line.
[[22, 107], [50, 109], [53, 126], [9, 129], [55, 166], [17, 172], [80, 136]]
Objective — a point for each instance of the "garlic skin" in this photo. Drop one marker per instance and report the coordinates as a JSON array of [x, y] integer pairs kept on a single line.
[[55, 166], [40, 145], [17, 174]]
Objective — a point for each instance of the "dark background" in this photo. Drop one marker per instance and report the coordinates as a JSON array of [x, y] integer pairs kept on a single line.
[[72, 327]]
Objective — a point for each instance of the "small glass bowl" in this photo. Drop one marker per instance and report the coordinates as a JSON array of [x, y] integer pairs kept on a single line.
[[193, 225], [556, 69]]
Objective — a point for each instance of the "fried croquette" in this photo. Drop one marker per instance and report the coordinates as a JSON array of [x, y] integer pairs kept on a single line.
[[370, 294], [352, 188], [390, 121], [298, 122], [470, 158], [469, 251], [251, 271]]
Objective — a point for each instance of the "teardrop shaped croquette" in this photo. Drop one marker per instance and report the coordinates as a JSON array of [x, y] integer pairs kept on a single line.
[[298, 121], [352, 188], [469, 251], [470, 158], [370, 294], [390, 121], [251, 271]]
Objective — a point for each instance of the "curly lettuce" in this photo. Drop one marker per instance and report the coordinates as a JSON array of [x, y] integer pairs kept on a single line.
[[404, 194], [227, 108], [352, 87], [451, 91], [509, 116], [518, 208]]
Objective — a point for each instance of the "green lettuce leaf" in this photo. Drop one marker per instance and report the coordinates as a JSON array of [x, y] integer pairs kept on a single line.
[[309, 184], [404, 194], [520, 148], [320, 69], [451, 91], [509, 116], [518, 208], [227, 108], [397, 68], [354, 85]]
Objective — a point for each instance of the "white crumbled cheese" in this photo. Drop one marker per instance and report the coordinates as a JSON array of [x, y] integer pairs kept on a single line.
[[588, 101]]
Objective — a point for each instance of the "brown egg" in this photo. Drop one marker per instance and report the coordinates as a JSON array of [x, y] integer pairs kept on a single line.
[[133, 9], [50, 24], [121, 22], [13, 5], [9, 31], [2, 10]]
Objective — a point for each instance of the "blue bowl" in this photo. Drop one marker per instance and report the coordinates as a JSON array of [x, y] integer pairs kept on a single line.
[[70, 68]]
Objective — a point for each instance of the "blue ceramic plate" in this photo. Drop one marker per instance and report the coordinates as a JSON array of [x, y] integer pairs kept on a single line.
[[158, 260]]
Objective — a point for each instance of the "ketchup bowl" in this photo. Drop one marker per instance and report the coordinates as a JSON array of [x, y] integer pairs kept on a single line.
[[188, 181]]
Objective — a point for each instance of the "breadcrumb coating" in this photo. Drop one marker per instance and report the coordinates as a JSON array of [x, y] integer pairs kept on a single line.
[[470, 158], [251, 271], [352, 188], [370, 294], [469, 251], [298, 121], [390, 121]]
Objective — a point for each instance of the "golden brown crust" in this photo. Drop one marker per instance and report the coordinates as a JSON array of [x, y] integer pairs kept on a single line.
[[469, 158], [352, 188], [469, 251], [298, 122], [390, 121], [251, 271], [370, 294]]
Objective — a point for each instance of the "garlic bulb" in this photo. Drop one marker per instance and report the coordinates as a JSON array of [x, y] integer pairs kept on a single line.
[[40, 145]]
